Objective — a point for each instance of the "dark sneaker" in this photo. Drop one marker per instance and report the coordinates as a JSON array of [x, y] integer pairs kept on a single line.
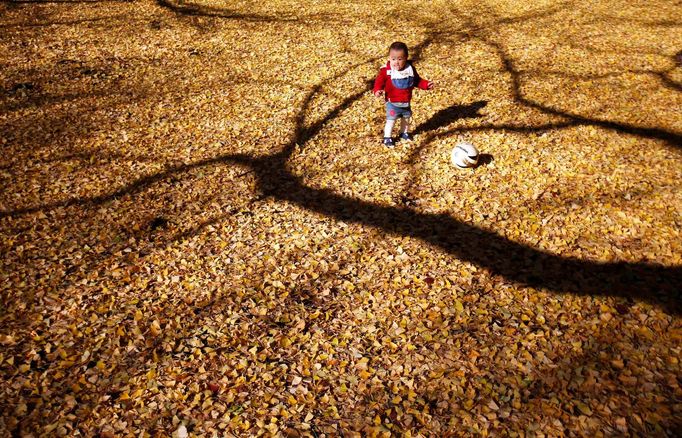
[[405, 137], [388, 142]]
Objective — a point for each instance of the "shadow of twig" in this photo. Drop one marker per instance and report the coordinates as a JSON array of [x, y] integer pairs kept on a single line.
[[106, 20], [190, 9]]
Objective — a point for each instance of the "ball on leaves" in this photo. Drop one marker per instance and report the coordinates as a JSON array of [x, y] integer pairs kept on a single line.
[[464, 155]]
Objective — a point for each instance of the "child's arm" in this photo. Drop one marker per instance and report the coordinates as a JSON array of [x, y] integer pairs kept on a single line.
[[422, 84], [380, 83]]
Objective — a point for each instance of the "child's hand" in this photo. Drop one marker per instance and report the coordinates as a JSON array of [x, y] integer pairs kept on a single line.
[[430, 85], [379, 93]]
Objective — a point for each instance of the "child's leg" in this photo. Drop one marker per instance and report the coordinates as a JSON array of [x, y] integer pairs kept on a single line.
[[391, 114], [404, 125], [388, 129]]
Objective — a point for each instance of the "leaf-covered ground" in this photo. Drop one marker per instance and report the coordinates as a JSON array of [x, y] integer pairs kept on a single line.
[[202, 234]]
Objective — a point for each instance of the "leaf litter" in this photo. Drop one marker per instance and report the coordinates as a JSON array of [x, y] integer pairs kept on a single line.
[[203, 236]]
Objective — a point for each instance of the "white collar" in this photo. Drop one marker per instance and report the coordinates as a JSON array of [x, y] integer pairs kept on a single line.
[[401, 74]]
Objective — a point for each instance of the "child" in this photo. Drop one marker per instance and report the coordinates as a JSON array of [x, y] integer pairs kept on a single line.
[[395, 82]]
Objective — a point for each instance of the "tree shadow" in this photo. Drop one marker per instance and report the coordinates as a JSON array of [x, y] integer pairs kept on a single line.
[[106, 20], [515, 261], [670, 137], [553, 271], [662, 75], [190, 9]]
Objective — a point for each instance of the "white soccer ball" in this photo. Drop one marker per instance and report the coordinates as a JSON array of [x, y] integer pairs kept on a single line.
[[464, 155]]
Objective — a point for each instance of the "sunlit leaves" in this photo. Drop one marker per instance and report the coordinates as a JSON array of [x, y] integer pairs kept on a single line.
[[153, 285]]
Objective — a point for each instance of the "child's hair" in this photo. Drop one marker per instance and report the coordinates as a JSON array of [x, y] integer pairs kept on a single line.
[[399, 46]]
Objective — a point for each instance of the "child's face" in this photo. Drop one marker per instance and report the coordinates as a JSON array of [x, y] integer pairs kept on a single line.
[[398, 59]]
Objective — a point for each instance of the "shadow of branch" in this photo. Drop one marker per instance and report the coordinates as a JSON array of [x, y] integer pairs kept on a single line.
[[207, 11]]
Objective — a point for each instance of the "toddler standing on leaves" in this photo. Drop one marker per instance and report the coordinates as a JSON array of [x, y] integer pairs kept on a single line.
[[395, 83]]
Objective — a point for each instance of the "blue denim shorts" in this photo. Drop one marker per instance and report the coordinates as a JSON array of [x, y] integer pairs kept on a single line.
[[394, 112]]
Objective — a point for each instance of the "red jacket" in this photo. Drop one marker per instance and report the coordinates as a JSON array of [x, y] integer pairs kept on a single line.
[[394, 94]]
